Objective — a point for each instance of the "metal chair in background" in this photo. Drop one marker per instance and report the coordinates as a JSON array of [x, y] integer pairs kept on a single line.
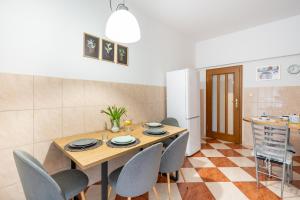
[[271, 146]]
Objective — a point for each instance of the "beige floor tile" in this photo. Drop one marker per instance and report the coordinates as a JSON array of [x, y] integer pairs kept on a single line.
[[242, 161], [162, 189], [198, 162], [225, 142], [296, 163], [236, 174], [290, 192], [278, 171], [211, 153], [245, 152], [191, 175], [219, 146], [225, 191]]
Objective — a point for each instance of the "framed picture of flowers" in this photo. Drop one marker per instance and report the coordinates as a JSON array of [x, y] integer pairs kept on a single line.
[[108, 50], [122, 55], [90, 46]]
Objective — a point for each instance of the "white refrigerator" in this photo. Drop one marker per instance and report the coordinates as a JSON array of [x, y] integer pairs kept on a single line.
[[183, 103]]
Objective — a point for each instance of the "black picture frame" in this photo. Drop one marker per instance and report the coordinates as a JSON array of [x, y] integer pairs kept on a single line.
[[91, 46], [108, 50], [122, 54]]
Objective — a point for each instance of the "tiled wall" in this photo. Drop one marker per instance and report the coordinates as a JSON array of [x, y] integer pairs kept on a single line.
[[274, 101], [34, 110]]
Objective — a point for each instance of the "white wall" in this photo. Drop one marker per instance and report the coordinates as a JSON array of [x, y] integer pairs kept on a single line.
[[46, 38], [275, 39]]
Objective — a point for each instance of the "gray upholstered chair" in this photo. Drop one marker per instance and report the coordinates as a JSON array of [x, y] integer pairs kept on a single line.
[[173, 157], [139, 174], [39, 185], [171, 122]]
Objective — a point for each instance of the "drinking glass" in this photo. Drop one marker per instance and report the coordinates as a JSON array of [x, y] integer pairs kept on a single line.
[[127, 125], [104, 135]]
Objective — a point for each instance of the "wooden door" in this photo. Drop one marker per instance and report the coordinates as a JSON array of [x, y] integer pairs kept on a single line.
[[224, 103]]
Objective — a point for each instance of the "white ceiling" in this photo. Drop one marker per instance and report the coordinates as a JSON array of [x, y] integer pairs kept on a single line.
[[204, 19]]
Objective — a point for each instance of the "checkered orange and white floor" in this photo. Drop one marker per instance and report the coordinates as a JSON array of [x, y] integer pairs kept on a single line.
[[223, 171]]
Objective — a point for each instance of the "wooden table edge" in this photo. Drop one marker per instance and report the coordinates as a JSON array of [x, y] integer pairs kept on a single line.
[[66, 153]]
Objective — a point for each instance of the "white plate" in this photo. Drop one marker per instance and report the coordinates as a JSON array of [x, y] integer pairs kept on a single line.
[[153, 124], [123, 139]]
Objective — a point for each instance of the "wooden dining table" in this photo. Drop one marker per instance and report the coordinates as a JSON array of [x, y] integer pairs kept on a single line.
[[103, 154]]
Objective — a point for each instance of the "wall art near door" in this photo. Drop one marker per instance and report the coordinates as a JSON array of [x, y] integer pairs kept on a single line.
[[268, 73], [122, 55], [90, 46], [108, 50]]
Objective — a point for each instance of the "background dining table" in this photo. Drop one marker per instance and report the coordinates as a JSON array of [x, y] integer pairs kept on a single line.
[[103, 154], [294, 127]]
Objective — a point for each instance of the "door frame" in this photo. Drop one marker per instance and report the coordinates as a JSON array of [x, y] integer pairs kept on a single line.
[[224, 70]]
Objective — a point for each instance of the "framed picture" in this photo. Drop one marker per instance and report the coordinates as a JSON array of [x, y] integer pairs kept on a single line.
[[122, 55], [268, 73], [90, 46], [108, 50]]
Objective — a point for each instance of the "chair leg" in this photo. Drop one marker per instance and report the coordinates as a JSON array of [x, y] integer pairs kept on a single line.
[[109, 191], [256, 169], [169, 185], [180, 171], [292, 164], [270, 169], [82, 195], [283, 179], [155, 193]]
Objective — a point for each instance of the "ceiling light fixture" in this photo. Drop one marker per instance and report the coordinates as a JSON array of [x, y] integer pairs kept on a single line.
[[122, 26]]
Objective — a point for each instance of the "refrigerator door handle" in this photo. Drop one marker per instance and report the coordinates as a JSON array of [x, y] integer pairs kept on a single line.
[[192, 117]]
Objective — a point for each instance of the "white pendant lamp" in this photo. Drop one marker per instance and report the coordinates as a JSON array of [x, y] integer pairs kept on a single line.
[[122, 26]]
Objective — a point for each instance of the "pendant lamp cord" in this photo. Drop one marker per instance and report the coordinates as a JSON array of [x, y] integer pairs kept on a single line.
[[110, 5]]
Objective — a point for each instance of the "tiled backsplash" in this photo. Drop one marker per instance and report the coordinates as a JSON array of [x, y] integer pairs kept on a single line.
[[34, 110], [272, 101]]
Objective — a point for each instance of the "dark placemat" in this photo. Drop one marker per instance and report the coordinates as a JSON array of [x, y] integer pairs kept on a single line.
[[98, 144], [155, 135], [110, 144]]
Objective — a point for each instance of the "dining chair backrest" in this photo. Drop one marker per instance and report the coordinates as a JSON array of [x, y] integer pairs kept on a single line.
[[173, 156], [139, 174], [36, 182], [170, 121], [270, 141]]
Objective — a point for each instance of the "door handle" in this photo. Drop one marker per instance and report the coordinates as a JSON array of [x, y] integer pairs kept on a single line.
[[236, 102]]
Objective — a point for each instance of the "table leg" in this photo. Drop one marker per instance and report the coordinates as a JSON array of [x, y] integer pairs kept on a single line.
[[73, 166], [104, 180]]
